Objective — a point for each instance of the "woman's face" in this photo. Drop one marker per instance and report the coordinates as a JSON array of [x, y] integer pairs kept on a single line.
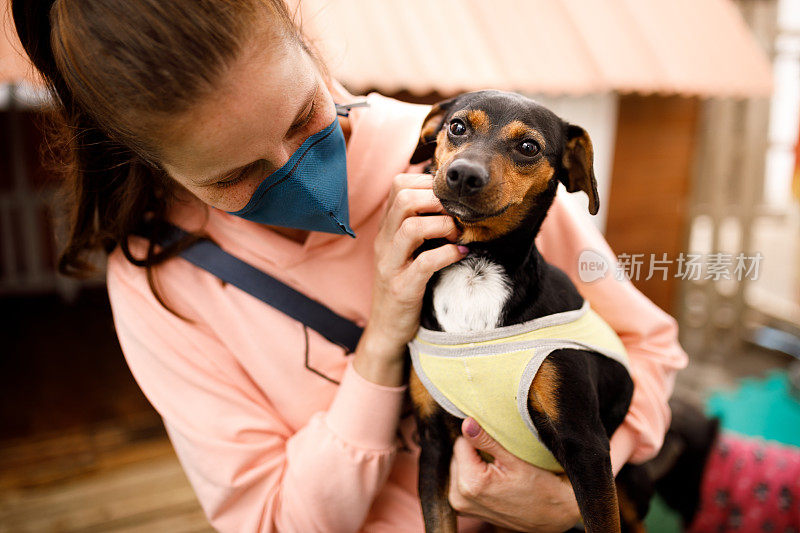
[[269, 101]]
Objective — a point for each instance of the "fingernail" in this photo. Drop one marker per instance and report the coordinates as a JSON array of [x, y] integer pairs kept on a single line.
[[472, 428], [463, 249]]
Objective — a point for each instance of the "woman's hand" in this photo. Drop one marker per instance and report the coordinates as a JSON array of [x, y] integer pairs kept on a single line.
[[507, 492], [400, 279]]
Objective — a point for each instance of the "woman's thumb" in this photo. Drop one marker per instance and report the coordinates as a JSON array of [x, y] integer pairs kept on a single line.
[[477, 437]]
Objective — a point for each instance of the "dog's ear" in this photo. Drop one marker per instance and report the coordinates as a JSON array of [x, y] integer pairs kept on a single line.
[[578, 161], [430, 129]]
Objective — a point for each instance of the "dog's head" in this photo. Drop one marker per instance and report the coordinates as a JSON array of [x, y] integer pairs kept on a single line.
[[494, 153]]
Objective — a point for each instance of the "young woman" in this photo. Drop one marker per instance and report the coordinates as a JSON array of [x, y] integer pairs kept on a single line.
[[178, 111]]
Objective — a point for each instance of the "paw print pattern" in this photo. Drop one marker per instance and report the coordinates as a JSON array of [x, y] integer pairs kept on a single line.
[[749, 486], [784, 498], [735, 518], [761, 491]]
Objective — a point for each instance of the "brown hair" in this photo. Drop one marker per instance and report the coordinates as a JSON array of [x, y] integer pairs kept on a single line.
[[114, 69]]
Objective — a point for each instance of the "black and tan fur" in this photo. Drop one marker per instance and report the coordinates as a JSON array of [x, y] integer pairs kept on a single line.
[[577, 399]]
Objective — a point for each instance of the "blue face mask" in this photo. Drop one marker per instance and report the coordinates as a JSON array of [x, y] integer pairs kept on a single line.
[[310, 191]]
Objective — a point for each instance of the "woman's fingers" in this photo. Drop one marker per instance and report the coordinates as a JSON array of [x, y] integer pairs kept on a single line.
[[463, 488], [409, 203], [473, 467], [477, 437], [409, 181], [414, 230], [406, 181], [508, 491], [428, 262], [411, 281], [400, 282]]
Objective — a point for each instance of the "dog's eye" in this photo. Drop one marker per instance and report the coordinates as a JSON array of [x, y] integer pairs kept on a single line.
[[529, 148], [457, 127]]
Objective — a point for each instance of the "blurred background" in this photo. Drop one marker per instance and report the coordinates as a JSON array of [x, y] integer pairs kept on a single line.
[[693, 107]]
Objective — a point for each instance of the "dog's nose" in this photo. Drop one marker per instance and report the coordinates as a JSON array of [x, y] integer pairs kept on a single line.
[[466, 177]]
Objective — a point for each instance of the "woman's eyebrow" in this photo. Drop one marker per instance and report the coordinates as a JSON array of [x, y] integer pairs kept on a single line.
[[222, 175]]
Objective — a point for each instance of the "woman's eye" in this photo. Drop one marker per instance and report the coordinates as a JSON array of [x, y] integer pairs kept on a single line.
[[457, 127], [228, 182], [528, 148], [257, 169], [306, 119]]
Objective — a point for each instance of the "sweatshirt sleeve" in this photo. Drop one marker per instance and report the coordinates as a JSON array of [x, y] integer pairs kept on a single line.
[[649, 334], [250, 471]]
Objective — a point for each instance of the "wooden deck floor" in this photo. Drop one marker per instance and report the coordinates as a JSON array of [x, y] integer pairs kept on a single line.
[[112, 478], [81, 449]]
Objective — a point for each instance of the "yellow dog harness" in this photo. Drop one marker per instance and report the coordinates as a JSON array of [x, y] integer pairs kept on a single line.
[[487, 374]]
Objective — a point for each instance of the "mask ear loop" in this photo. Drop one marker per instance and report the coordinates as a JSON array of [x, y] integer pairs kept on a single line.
[[343, 110]]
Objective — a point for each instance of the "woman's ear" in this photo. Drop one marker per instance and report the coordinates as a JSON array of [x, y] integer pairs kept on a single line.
[[578, 161], [430, 129]]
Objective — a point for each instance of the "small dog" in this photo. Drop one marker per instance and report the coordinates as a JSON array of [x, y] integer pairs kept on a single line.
[[717, 480], [505, 337]]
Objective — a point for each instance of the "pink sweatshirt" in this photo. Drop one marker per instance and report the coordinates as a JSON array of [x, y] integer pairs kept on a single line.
[[275, 429]]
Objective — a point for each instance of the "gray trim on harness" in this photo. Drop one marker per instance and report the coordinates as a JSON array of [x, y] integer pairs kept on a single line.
[[531, 369], [433, 390], [510, 347], [542, 349], [556, 319]]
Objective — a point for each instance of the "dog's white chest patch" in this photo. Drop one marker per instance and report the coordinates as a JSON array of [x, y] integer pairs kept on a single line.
[[470, 295]]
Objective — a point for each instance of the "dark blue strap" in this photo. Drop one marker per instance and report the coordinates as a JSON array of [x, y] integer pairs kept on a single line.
[[209, 256]]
